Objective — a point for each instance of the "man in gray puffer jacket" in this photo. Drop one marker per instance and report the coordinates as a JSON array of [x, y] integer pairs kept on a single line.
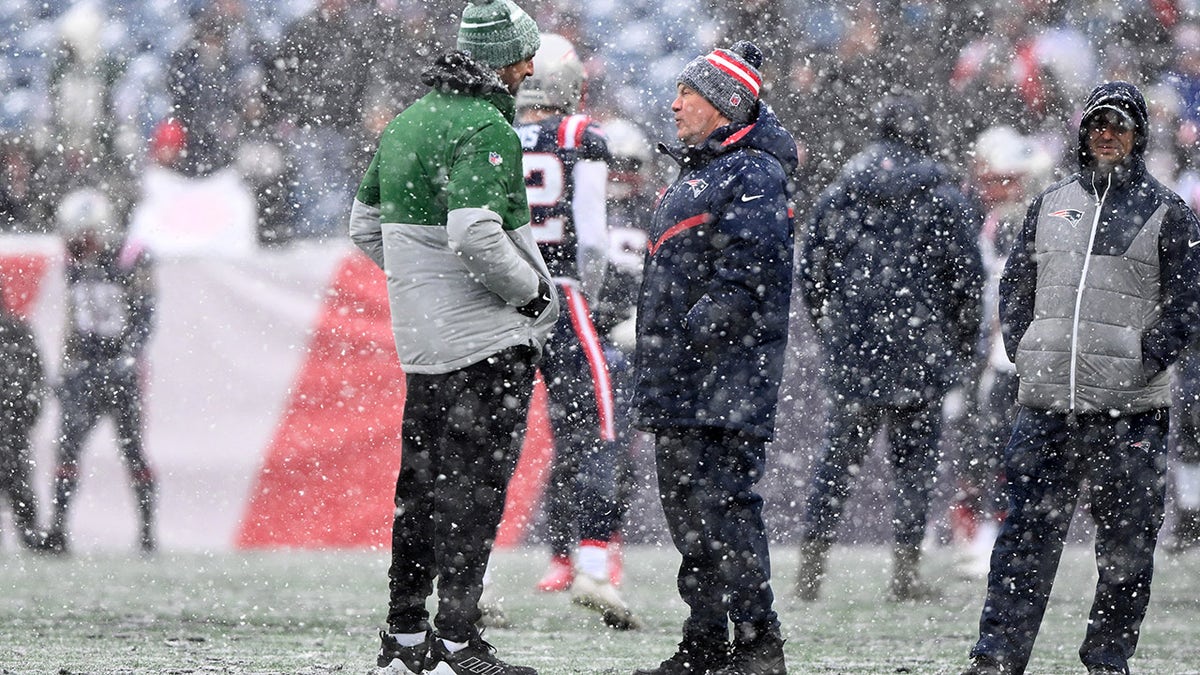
[[1098, 298]]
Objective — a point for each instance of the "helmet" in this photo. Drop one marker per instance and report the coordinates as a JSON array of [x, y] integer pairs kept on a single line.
[[627, 142], [87, 212], [631, 156], [558, 77], [1006, 164]]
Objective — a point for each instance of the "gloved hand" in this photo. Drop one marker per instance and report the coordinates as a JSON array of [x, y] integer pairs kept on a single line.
[[534, 308]]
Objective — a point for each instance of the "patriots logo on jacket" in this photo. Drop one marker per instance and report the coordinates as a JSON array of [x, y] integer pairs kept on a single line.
[[698, 185], [1072, 216]]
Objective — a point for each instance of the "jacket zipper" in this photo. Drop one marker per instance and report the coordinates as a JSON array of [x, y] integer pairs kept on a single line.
[[1087, 260]]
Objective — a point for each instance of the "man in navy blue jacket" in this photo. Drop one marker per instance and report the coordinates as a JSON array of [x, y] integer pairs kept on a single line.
[[711, 332], [1098, 299], [892, 278]]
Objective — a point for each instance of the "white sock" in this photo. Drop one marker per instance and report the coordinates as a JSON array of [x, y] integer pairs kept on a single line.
[[409, 639], [453, 647], [592, 559], [1187, 486]]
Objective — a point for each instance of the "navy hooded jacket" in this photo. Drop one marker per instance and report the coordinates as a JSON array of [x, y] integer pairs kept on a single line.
[[1126, 205], [892, 273], [712, 317]]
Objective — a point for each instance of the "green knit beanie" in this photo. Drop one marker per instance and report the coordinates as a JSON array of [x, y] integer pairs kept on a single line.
[[497, 33]]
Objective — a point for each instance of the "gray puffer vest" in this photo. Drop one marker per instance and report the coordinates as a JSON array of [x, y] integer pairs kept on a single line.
[[1083, 351]]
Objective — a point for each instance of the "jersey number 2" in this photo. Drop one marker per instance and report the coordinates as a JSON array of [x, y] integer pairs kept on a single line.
[[545, 184]]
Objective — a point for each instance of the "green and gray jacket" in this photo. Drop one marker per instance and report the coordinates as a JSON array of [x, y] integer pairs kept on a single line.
[[442, 210]]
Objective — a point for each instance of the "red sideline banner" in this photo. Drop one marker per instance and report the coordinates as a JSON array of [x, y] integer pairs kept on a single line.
[[329, 474], [274, 404]]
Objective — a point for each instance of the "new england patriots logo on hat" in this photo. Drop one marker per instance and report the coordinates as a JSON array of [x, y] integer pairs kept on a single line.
[[698, 185], [1070, 215]]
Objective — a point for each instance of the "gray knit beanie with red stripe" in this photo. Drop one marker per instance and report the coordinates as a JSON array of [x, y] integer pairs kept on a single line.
[[728, 79]]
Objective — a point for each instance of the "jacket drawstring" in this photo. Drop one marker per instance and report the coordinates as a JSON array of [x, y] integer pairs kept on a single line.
[[1087, 260]]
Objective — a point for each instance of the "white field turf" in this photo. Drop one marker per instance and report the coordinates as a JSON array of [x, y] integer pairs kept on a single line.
[[318, 612]]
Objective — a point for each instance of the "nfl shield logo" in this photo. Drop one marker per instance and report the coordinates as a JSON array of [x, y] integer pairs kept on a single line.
[[495, 159], [735, 100]]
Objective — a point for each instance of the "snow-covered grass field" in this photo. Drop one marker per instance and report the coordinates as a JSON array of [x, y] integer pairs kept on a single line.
[[318, 612]]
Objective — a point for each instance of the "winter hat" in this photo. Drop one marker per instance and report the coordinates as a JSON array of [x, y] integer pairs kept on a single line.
[[728, 79], [497, 33], [1123, 98], [901, 117]]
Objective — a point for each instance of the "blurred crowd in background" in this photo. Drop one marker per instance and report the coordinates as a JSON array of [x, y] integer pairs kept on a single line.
[[290, 95], [275, 106]]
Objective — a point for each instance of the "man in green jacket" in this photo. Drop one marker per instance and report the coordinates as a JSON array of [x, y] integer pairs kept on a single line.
[[442, 210]]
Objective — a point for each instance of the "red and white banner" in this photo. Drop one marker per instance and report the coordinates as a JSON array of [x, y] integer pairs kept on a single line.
[[187, 215], [274, 402]]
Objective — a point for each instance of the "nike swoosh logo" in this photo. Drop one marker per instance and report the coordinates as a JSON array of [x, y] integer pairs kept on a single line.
[[1190, 243], [747, 198]]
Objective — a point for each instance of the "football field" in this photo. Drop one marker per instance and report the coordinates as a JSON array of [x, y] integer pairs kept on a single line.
[[318, 612]]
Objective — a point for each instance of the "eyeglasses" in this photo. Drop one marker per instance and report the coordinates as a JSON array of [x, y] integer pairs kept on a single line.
[[1109, 119]]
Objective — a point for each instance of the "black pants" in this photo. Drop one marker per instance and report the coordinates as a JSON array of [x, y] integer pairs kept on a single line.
[[15, 468], [88, 395], [462, 434], [1185, 413], [1122, 463], [706, 479], [912, 435]]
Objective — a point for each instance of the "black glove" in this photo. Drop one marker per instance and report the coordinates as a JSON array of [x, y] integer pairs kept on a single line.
[[534, 308]]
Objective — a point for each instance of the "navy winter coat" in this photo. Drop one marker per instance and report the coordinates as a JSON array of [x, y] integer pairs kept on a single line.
[[892, 277], [712, 317]]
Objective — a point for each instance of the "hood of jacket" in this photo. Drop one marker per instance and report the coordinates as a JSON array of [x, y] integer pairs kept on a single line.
[[457, 73], [902, 118], [891, 171], [1123, 96], [764, 133]]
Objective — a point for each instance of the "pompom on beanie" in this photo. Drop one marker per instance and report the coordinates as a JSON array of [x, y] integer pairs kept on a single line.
[[728, 79]]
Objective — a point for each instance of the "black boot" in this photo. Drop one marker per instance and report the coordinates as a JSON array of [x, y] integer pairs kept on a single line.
[[906, 583], [56, 542], [694, 657], [761, 654], [813, 555], [64, 489], [146, 494], [984, 665], [25, 519]]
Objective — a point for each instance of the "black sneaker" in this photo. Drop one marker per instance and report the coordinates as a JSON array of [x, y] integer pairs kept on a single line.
[[477, 658], [984, 665], [1105, 670], [761, 656], [692, 659], [395, 659]]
